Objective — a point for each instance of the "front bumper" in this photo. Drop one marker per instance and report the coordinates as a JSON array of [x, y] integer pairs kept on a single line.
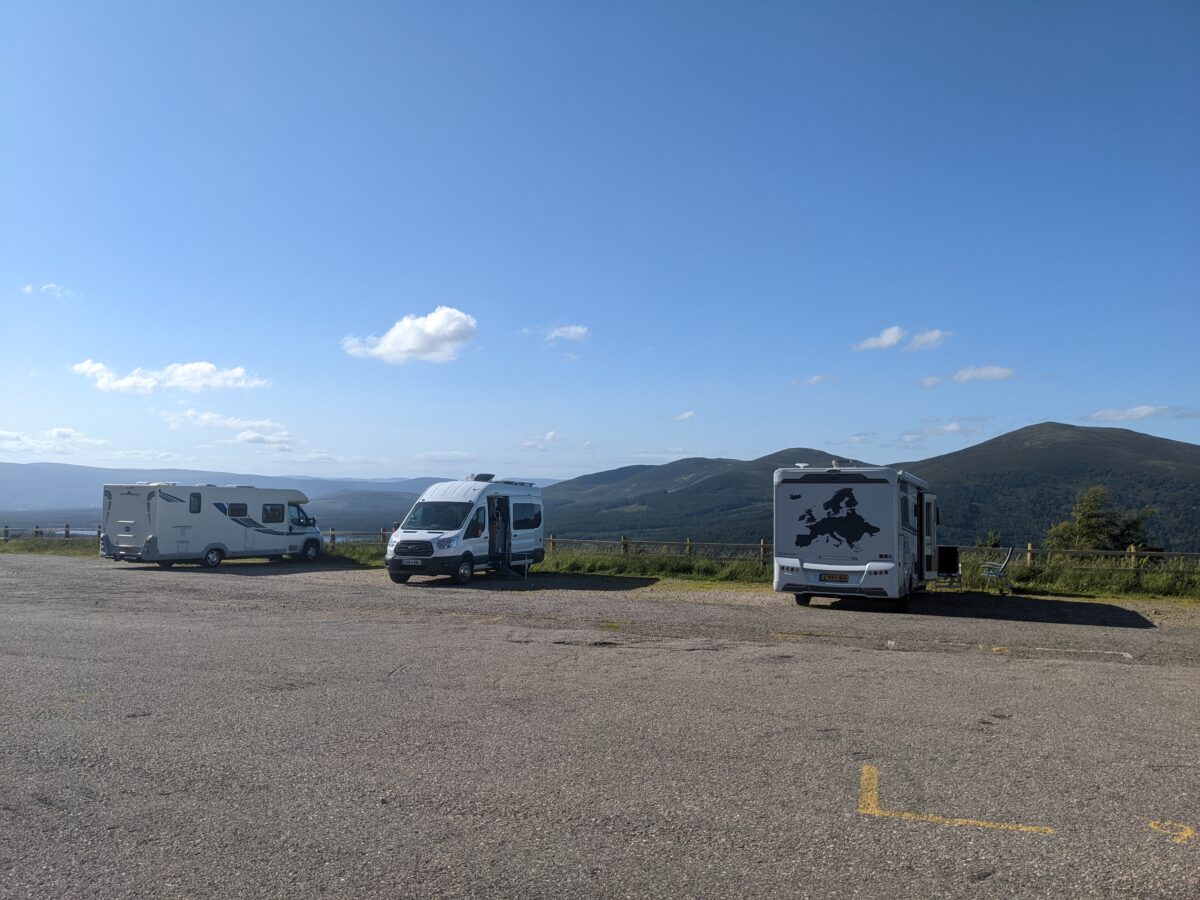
[[429, 565]]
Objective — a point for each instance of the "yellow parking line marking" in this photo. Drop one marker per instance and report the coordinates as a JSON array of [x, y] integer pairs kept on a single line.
[[868, 805], [1182, 833]]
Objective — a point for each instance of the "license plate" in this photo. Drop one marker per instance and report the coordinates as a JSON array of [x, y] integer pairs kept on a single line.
[[837, 576], [410, 562]]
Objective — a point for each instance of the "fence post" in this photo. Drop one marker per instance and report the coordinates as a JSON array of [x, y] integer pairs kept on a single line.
[[6, 532], [67, 531], [762, 551], [624, 544], [553, 544], [1029, 555], [99, 531], [332, 537], [383, 535], [688, 549], [37, 530]]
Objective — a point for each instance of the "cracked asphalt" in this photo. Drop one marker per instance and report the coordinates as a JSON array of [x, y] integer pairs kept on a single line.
[[282, 730]]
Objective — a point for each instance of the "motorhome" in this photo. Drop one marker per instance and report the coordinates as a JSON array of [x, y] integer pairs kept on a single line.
[[868, 532], [458, 528], [168, 523]]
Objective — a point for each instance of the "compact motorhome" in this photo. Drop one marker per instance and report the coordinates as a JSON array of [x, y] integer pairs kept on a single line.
[[168, 523], [463, 527], [840, 532]]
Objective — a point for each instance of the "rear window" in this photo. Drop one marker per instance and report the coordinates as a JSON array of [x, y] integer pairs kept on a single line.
[[194, 503], [526, 516], [237, 510], [272, 513]]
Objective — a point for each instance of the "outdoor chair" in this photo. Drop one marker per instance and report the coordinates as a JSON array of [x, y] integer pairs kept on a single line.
[[998, 572], [949, 568]]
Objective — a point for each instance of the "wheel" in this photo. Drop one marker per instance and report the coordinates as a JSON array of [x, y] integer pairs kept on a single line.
[[310, 552], [399, 579], [166, 564], [213, 558], [803, 599], [464, 571]]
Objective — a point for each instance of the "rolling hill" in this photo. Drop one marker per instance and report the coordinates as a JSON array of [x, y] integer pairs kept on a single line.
[[1017, 485]]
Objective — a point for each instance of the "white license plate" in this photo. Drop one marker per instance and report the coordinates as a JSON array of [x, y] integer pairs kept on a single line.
[[410, 562]]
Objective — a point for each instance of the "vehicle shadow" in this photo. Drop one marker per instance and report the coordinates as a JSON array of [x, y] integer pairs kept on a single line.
[[539, 581], [255, 567], [1008, 607]]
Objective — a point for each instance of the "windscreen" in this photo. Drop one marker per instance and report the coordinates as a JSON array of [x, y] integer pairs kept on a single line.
[[434, 515]]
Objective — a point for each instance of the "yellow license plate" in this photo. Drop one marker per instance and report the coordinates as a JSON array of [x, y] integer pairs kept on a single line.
[[837, 576]]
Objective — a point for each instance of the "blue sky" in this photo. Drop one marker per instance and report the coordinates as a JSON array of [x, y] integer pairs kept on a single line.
[[553, 238]]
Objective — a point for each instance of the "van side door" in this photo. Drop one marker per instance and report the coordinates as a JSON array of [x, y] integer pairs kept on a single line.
[[526, 527]]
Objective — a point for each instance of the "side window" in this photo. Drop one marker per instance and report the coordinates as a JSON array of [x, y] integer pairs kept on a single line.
[[294, 515], [526, 516], [905, 516], [237, 510], [194, 503], [478, 523], [272, 513]]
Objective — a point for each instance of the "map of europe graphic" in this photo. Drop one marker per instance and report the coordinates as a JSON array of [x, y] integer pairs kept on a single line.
[[841, 524]]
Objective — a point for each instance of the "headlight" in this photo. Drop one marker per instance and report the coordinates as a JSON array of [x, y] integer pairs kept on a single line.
[[446, 543]]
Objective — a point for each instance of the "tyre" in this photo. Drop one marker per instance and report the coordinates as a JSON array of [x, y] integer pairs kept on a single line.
[[803, 599], [166, 564], [213, 558], [399, 579], [310, 552], [464, 570]]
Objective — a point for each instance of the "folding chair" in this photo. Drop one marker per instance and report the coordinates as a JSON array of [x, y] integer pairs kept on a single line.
[[998, 572]]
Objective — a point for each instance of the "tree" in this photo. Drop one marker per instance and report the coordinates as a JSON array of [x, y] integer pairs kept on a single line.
[[1095, 526]]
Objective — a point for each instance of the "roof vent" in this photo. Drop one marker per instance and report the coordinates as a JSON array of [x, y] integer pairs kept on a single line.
[[801, 465], [483, 476]]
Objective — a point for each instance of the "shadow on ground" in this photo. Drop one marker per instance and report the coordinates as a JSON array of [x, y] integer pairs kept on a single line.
[[540, 581], [1009, 607]]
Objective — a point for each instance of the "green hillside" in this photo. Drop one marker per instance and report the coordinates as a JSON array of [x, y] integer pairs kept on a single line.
[[1017, 485]]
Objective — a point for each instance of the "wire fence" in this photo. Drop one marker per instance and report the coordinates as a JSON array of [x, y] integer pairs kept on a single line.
[[1021, 560]]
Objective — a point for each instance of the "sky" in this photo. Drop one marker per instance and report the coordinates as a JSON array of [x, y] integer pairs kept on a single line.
[[546, 239]]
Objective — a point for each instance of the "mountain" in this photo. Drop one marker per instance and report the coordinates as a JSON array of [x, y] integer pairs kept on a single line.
[[1021, 483], [1017, 485], [717, 500], [45, 486]]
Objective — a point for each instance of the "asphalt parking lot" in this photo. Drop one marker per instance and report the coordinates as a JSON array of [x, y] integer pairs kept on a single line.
[[282, 730]]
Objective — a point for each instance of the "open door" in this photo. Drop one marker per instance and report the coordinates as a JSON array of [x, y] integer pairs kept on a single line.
[[499, 528], [927, 531]]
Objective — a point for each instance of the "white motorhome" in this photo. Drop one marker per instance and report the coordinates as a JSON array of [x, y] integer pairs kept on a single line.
[[868, 532], [168, 523], [463, 527]]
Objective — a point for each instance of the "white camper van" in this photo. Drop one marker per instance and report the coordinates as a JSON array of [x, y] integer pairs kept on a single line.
[[868, 532], [170, 523], [463, 527]]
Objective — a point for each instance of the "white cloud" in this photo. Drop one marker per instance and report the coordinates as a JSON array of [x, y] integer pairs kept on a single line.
[[193, 377], [946, 429], [144, 455], [567, 333], [889, 337], [540, 443], [437, 337], [56, 290], [931, 381], [1132, 414], [60, 440], [446, 456], [685, 415], [665, 455], [927, 340], [28, 289], [983, 373], [814, 379], [216, 420], [860, 438], [275, 439]]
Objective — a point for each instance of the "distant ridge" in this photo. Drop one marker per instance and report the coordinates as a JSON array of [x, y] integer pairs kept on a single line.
[[1017, 485]]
